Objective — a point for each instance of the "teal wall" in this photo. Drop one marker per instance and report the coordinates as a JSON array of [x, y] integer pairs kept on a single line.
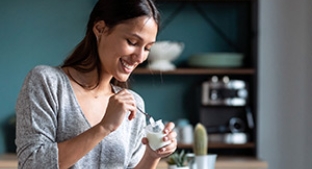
[[44, 32], [34, 32]]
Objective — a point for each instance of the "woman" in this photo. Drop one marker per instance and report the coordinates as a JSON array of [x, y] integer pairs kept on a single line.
[[80, 115]]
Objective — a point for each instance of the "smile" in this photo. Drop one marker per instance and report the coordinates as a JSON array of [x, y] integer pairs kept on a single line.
[[126, 65]]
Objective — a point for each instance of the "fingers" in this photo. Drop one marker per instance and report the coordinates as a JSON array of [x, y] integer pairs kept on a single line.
[[145, 140], [132, 115], [128, 102], [161, 152], [170, 133], [170, 136], [125, 97], [169, 149], [169, 127], [118, 106]]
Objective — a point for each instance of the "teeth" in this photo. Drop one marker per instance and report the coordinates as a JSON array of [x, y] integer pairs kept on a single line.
[[126, 65]]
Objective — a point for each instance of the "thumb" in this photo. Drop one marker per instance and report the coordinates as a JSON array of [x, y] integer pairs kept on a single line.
[[144, 140]]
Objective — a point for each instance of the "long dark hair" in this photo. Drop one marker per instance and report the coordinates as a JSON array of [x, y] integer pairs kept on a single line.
[[85, 57]]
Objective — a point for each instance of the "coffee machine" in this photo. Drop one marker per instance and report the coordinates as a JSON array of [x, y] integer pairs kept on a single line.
[[225, 111], [225, 92]]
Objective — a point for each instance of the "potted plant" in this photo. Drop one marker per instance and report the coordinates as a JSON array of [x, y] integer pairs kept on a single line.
[[203, 160], [177, 160]]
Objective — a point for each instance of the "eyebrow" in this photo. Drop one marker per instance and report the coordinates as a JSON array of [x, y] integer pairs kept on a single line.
[[139, 37]]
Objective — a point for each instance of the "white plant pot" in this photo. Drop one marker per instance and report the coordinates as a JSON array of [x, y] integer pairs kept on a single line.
[[175, 167], [172, 166], [185, 167], [205, 162]]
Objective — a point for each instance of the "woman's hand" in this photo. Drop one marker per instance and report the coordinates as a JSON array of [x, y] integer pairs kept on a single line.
[[118, 107], [166, 150]]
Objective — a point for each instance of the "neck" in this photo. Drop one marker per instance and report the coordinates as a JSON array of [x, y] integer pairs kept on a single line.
[[89, 81]]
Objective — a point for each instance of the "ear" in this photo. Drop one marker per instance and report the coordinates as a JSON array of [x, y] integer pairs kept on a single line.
[[98, 28]]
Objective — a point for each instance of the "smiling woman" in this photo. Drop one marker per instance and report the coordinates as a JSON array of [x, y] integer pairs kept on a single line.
[[130, 41], [107, 16], [84, 104]]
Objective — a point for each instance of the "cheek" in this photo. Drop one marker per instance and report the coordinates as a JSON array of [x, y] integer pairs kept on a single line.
[[111, 52], [106, 51]]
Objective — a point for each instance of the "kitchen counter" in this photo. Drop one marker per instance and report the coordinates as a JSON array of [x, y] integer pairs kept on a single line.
[[9, 161]]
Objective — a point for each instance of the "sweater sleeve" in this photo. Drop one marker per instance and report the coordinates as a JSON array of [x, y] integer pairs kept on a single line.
[[36, 113]]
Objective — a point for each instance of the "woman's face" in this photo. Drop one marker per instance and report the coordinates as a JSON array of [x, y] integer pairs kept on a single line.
[[122, 49]]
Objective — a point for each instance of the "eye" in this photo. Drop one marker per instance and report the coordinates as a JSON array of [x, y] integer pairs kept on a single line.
[[133, 43], [147, 49]]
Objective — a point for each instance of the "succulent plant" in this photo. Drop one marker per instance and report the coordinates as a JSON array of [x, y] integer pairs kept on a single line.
[[200, 146], [178, 159]]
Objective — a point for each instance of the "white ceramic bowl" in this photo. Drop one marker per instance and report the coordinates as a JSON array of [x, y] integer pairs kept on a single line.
[[162, 53]]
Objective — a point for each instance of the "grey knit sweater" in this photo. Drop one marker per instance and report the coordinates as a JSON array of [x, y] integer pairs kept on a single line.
[[47, 112]]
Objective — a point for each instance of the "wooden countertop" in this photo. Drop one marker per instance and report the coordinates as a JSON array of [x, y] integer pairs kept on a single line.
[[9, 161]]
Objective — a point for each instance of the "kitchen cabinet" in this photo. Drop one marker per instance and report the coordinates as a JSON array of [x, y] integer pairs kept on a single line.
[[237, 32]]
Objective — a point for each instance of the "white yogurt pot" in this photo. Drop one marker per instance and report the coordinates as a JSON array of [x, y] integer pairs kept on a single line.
[[155, 139]]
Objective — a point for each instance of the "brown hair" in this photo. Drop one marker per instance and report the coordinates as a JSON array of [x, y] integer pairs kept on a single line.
[[85, 57]]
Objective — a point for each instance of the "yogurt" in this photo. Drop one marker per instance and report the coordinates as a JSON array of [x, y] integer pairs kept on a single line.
[[154, 134]]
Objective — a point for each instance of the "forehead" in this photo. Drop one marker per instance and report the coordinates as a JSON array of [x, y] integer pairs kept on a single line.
[[143, 26]]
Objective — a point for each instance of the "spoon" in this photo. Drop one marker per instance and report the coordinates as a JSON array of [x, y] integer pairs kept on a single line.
[[151, 120], [146, 114]]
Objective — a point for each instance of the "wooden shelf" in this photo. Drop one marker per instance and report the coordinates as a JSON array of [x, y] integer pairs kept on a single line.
[[220, 145], [195, 71]]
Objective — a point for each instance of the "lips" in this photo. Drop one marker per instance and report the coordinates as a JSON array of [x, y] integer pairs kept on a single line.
[[127, 67]]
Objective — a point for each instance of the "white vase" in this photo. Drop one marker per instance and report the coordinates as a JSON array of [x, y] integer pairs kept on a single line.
[[205, 162]]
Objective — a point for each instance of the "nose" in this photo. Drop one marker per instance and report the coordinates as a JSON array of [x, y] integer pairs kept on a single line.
[[139, 55]]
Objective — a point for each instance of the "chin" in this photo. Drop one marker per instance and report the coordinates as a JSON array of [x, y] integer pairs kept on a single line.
[[122, 79]]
